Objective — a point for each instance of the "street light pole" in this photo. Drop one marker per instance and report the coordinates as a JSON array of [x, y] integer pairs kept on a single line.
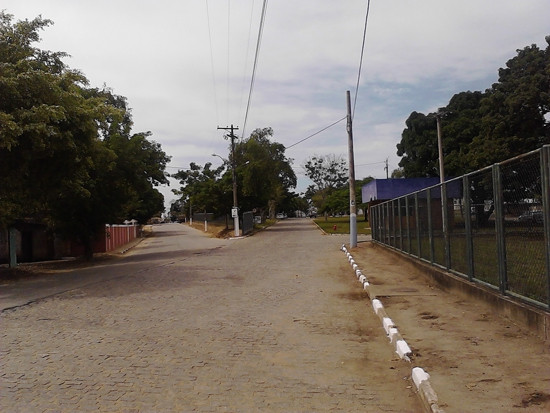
[[235, 210]]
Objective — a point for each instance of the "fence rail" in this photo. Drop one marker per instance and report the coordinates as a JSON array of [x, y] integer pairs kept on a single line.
[[496, 231]]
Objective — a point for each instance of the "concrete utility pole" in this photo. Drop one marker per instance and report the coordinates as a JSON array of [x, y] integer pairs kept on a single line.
[[444, 211], [235, 210], [440, 148], [352, 206]]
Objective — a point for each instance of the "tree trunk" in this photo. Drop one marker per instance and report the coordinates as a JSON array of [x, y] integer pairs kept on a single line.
[[88, 250]]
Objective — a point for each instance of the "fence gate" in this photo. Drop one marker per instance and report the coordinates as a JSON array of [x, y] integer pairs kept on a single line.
[[248, 222]]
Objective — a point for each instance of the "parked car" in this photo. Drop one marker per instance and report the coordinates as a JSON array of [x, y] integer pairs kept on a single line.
[[531, 217]]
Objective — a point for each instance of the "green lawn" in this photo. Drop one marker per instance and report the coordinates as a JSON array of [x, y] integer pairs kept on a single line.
[[342, 225]]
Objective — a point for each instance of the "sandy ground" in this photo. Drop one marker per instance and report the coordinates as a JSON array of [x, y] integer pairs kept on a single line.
[[478, 362]]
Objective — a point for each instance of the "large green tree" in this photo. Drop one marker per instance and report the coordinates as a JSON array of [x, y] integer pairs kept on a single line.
[[264, 173], [67, 155], [202, 189], [481, 128], [515, 111], [328, 173]]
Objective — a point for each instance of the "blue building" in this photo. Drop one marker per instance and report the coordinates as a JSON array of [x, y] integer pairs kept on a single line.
[[381, 190], [385, 189]]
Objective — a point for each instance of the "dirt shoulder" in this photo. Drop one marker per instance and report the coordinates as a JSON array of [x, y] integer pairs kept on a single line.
[[478, 362]]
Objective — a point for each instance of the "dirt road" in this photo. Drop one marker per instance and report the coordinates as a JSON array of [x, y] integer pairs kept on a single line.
[[478, 362]]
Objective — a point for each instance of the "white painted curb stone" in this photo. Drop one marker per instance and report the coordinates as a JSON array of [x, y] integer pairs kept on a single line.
[[393, 334], [418, 376], [387, 323], [403, 349], [377, 306]]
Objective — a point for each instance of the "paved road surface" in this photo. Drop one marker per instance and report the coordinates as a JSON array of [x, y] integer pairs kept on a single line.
[[272, 322]]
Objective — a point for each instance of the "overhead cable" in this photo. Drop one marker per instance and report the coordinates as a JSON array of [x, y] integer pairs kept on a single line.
[[256, 55], [228, 55], [361, 59], [247, 53], [212, 62], [316, 133]]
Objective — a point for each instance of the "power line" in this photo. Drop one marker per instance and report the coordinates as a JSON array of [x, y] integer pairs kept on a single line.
[[372, 163], [252, 80], [228, 55], [212, 61], [247, 53], [361, 59], [316, 133]]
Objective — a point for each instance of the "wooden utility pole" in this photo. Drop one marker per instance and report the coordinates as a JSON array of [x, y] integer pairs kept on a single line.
[[235, 209], [351, 163]]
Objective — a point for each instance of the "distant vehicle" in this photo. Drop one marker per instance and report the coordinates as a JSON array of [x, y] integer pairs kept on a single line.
[[280, 215], [531, 217]]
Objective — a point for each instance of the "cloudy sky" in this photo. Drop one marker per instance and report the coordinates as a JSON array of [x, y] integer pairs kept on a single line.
[[185, 66]]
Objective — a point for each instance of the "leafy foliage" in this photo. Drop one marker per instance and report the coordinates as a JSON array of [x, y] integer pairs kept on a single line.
[[328, 173], [264, 173], [264, 177], [202, 189], [482, 128], [67, 155]]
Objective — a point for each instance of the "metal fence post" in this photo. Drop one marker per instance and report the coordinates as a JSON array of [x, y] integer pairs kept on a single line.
[[468, 226], [383, 223], [545, 178], [430, 223], [388, 222], [399, 217], [417, 216], [374, 221], [445, 222], [392, 221], [499, 227], [408, 227]]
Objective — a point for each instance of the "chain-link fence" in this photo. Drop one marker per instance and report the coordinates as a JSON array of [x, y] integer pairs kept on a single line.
[[491, 226]]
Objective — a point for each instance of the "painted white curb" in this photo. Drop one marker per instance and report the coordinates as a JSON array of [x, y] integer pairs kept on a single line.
[[419, 377], [387, 323], [377, 305], [403, 349], [393, 334], [421, 380]]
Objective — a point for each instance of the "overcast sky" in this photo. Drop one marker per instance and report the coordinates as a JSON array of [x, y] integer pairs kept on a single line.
[[185, 66]]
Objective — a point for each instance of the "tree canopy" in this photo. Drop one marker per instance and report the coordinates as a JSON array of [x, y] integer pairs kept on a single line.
[[263, 173], [68, 157], [328, 173], [482, 128]]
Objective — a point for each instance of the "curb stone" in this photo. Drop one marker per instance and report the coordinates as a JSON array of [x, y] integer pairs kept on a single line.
[[419, 377]]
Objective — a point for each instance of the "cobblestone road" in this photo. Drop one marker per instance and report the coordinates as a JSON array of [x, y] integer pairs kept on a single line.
[[272, 322]]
